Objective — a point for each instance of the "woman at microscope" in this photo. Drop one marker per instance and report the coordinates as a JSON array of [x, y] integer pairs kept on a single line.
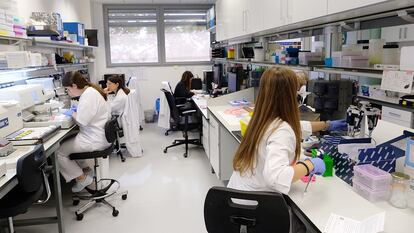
[[115, 84], [91, 115]]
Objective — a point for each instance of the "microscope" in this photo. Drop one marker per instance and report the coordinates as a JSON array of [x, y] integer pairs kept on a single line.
[[361, 117]]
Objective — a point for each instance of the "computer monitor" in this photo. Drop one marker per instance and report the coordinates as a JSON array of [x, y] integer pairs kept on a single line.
[[208, 79]]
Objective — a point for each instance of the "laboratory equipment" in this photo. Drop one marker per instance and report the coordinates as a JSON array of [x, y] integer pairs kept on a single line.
[[32, 136], [362, 117], [218, 75], [329, 166], [10, 118], [3, 169], [369, 194], [307, 184], [399, 188], [372, 177], [207, 80], [6, 147], [27, 95]]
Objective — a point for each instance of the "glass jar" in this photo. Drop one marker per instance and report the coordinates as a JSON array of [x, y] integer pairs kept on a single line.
[[399, 186]]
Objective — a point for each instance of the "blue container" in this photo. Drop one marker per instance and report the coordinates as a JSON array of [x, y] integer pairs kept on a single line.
[[76, 28]]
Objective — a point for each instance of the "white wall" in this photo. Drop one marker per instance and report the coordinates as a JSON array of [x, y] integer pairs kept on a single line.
[[150, 77], [70, 10]]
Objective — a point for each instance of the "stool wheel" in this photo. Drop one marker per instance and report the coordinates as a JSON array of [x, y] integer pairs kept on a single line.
[[166, 133], [185, 155], [115, 212], [75, 202], [124, 197], [165, 150], [79, 217]]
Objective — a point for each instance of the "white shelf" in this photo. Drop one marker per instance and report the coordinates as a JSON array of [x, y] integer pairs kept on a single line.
[[13, 38], [58, 44], [358, 72], [263, 63]]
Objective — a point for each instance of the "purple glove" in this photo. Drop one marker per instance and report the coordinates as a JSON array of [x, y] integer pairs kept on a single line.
[[338, 125], [68, 112], [74, 108], [318, 166]]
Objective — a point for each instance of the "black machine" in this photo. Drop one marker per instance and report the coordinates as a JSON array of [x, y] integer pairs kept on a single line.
[[235, 79], [208, 79], [331, 98], [218, 75], [248, 52], [92, 35]]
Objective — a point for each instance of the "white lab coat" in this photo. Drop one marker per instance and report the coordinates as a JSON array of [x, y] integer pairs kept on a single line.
[[130, 125], [133, 84], [118, 103], [164, 114], [273, 171], [92, 114]]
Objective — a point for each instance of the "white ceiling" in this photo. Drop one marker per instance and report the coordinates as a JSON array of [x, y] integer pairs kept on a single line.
[[157, 1]]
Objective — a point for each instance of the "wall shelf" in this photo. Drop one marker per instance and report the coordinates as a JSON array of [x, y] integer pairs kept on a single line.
[[13, 38], [41, 71], [388, 102], [359, 72], [262, 63], [61, 45]]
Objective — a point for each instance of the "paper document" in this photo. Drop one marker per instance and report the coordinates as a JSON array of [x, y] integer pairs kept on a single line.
[[340, 224], [400, 81]]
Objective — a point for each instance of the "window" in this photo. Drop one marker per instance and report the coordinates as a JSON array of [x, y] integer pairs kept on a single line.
[[186, 37], [146, 34]]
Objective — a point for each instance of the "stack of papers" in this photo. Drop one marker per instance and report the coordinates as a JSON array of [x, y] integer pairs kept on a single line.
[[340, 224]]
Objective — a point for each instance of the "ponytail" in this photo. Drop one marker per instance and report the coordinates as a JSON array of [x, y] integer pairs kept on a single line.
[[81, 82]]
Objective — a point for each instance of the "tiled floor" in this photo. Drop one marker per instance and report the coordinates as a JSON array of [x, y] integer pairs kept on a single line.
[[166, 193]]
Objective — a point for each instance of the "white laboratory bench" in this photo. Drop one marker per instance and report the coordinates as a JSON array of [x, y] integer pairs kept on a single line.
[[325, 196], [9, 181]]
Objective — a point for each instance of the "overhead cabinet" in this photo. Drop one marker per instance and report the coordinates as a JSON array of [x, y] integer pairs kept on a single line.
[[301, 10], [337, 6], [398, 33]]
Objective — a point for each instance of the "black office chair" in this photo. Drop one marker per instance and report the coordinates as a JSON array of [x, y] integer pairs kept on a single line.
[[32, 184], [196, 84], [222, 214], [119, 134], [181, 117], [101, 190]]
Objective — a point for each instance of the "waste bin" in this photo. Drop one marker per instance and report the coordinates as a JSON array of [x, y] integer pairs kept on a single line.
[[149, 116]]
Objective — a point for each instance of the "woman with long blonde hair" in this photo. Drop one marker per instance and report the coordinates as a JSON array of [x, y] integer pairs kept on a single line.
[[268, 156]]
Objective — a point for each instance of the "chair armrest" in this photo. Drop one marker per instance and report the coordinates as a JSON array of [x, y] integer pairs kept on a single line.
[[180, 105], [188, 112]]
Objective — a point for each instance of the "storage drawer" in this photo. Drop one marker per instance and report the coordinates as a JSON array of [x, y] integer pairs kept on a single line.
[[397, 116]]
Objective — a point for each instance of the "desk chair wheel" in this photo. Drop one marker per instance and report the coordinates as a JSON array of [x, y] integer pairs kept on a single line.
[[122, 159], [185, 155], [166, 133], [165, 150], [75, 202], [115, 212], [79, 217], [124, 197], [140, 128]]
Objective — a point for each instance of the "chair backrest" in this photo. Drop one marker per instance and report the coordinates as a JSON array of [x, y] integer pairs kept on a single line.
[[111, 130], [221, 214], [196, 84], [174, 112], [29, 171]]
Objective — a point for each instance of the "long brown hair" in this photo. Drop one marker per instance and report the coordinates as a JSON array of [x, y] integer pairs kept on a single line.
[[117, 79], [186, 79], [80, 81], [276, 101]]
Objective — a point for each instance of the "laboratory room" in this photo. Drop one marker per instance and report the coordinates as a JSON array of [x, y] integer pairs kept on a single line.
[[206, 116]]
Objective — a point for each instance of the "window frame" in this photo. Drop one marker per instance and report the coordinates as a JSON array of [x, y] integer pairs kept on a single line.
[[160, 8]]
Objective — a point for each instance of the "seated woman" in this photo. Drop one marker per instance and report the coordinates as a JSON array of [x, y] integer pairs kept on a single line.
[[91, 115], [183, 87], [115, 84]]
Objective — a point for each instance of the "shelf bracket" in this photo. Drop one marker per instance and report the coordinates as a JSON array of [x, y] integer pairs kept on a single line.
[[403, 14], [344, 25]]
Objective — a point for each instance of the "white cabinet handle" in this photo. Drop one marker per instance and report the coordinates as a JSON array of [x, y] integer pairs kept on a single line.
[[405, 32], [394, 114], [400, 33]]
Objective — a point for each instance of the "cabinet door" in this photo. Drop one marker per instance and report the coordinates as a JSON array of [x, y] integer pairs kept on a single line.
[[254, 16], [206, 136], [336, 6], [237, 17], [221, 31], [214, 145], [273, 13], [392, 34], [301, 10], [407, 32]]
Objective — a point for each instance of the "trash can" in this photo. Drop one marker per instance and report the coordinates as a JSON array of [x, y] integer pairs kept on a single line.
[[149, 116]]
